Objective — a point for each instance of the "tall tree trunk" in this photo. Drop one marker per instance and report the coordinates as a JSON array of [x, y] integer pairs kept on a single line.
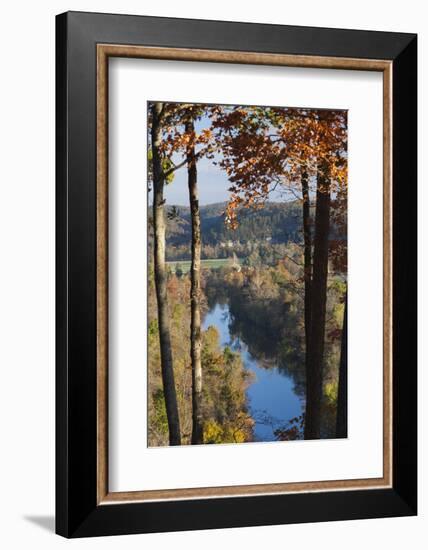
[[314, 375], [342, 391], [195, 293], [307, 257], [161, 280]]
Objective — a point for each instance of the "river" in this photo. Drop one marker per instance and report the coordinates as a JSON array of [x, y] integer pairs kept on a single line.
[[271, 396]]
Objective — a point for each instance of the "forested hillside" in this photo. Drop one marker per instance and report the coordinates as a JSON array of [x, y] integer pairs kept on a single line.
[[259, 232], [279, 222]]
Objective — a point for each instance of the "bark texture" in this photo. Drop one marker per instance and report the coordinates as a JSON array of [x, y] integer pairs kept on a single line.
[[342, 392], [314, 375], [195, 293], [161, 280], [307, 257]]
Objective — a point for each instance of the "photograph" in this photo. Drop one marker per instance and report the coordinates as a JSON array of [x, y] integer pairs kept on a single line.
[[247, 273]]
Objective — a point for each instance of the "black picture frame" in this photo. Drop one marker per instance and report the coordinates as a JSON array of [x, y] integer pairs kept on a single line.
[[77, 511]]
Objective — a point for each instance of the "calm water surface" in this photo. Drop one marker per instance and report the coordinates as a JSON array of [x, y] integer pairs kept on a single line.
[[271, 397]]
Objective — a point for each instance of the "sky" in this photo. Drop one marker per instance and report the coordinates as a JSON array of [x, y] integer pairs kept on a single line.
[[213, 185]]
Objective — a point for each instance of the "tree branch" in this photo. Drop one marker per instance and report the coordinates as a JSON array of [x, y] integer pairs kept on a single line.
[[198, 155], [175, 167]]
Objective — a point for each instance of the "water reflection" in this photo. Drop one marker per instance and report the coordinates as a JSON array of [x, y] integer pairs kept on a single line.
[[273, 396]]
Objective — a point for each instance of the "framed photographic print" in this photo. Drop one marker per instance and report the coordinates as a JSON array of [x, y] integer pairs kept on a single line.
[[236, 274]]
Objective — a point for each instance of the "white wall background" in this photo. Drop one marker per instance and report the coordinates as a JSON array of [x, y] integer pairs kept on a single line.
[[27, 273]]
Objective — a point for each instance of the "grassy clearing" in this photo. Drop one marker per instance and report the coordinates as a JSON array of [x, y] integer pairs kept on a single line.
[[207, 264]]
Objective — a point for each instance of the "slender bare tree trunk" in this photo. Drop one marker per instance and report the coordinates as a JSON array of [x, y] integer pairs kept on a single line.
[[195, 293], [314, 375], [342, 391], [307, 257], [161, 280]]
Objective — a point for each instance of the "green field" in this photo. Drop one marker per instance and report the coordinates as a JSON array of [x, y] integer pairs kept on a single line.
[[207, 264]]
